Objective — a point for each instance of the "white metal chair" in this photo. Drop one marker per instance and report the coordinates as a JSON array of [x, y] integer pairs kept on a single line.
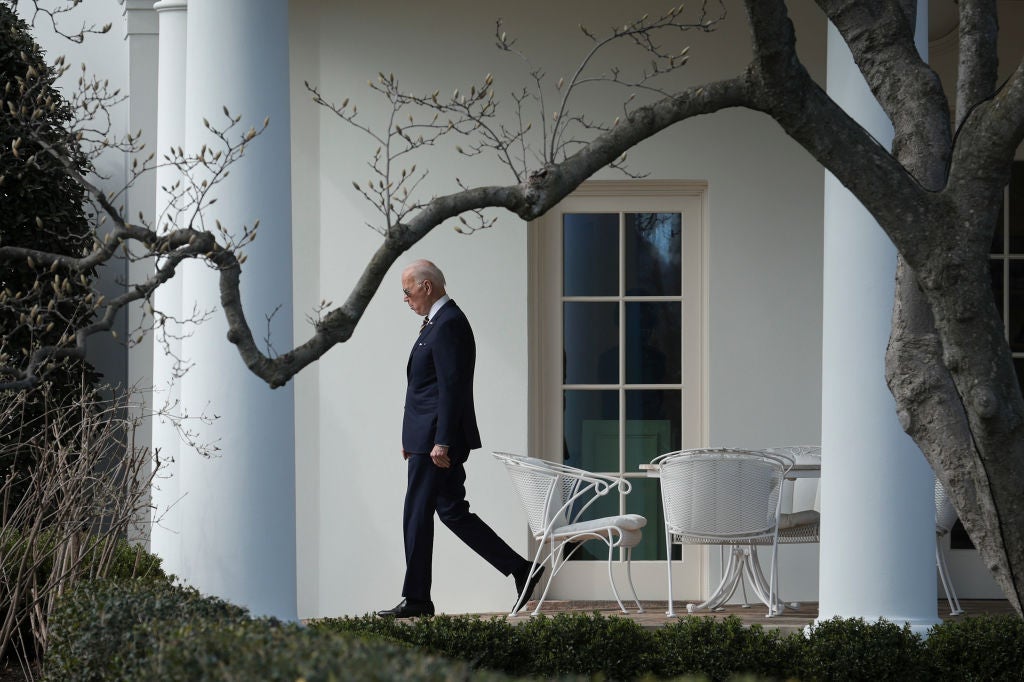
[[728, 497], [945, 517], [800, 520], [555, 497]]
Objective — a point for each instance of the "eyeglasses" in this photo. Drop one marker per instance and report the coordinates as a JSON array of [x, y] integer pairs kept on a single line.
[[408, 293]]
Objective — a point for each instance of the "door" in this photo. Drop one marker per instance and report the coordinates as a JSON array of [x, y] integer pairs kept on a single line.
[[618, 356]]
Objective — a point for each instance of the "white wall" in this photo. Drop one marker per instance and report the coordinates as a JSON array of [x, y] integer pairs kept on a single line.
[[765, 279]]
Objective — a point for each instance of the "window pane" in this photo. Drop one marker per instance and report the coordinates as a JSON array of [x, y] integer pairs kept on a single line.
[[995, 267], [590, 429], [654, 254], [653, 425], [591, 343], [590, 254], [645, 499], [654, 343], [1016, 312], [1016, 225]]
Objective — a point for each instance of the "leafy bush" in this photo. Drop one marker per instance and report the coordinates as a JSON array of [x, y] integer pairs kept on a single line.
[[42, 207], [105, 630], [616, 648], [150, 630], [576, 644], [977, 648], [850, 649], [720, 649], [125, 560]]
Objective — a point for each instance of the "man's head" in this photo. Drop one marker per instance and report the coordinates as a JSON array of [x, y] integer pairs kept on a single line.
[[422, 285]]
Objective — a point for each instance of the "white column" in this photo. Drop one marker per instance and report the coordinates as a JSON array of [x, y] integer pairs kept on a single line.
[[141, 36], [238, 507], [165, 534], [877, 513]]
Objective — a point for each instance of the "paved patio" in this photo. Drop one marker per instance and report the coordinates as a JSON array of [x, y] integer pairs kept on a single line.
[[790, 621]]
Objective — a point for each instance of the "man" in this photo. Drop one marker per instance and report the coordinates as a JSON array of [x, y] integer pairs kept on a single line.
[[438, 431]]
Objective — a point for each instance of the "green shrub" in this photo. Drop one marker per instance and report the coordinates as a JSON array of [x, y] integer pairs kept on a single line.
[[135, 631], [616, 648], [977, 648], [41, 207], [492, 644], [125, 560], [721, 649], [152, 630], [851, 649], [106, 630]]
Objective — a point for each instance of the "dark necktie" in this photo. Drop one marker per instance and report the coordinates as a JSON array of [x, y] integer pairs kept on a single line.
[[423, 325]]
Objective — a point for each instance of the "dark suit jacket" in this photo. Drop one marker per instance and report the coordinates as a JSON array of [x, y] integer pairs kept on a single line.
[[439, 400]]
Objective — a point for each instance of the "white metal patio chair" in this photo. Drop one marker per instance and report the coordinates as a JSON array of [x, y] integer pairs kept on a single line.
[[725, 496], [800, 520], [945, 518], [555, 497]]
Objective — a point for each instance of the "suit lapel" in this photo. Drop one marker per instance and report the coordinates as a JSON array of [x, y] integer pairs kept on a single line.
[[423, 335]]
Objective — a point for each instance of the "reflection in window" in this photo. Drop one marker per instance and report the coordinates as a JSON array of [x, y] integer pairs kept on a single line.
[[591, 429], [590, 248], [654, 254], [653, 342], [653, 424], [590, 333]]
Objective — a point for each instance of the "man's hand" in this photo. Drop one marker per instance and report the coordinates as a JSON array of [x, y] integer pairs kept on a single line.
[[439, 455], [405, 455]]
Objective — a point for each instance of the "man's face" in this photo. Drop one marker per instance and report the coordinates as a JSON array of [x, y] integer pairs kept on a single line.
[[416, 293]]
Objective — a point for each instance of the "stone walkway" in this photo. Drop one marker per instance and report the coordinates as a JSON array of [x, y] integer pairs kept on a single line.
[[791, 620]]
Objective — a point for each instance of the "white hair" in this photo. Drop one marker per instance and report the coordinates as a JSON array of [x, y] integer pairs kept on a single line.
[[425, 270]]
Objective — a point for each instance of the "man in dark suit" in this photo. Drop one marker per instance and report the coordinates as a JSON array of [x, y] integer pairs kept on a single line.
[[438, 431]]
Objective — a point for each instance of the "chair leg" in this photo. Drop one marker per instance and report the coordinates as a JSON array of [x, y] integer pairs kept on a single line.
[[671, 613], [556, 566], [629, 577], [521, 602], [611, 579], [947, 581], [765, 590]]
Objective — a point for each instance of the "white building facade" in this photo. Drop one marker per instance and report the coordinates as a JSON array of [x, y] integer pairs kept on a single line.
[[300, 513]]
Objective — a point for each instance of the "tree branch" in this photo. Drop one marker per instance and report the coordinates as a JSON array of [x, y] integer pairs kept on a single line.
[[979, 62]]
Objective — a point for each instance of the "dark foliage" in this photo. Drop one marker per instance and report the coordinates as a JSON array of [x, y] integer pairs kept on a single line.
[[41, 207]]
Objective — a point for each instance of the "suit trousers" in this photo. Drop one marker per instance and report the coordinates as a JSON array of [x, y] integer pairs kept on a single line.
[[433, 489]]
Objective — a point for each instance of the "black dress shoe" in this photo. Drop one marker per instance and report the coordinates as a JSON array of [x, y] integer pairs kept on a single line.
[[520, 578], [409, 608]]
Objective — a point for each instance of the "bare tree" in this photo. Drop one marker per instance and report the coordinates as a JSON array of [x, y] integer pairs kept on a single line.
[[64, 517], [935, 194]]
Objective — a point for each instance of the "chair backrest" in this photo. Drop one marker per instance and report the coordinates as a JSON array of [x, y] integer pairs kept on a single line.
[[553, 495], [801, 494], [541, 490], [945, 514], [721, 495]]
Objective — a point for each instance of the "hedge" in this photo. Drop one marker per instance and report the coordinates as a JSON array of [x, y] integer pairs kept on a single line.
[[148, 630], [142, 630]]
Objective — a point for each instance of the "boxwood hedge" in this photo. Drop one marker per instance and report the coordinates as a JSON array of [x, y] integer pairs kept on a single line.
[[153, 630]]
